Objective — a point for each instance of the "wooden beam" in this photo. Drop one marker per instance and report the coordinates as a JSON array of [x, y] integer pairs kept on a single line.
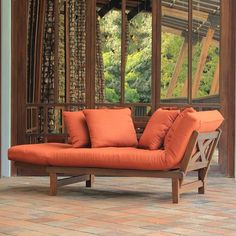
[[178, 67], [215, 82], [185, 88], [202, 60], [123, 52], [103, 11], [197, 15], [156, 54], [145, 5]]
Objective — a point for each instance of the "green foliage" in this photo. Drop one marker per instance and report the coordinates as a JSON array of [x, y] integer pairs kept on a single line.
[[139, 60]]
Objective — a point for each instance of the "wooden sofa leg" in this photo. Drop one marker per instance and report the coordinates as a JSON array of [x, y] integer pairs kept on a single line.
[[53, 184], [90, 182], [201, 176], [175, 190]]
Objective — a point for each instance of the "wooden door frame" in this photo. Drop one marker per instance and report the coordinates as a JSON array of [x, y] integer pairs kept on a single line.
[[227, 84]]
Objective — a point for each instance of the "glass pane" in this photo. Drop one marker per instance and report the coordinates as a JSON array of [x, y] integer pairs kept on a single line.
[[174, 51], [206, 37], [108, 55], [139, 55]]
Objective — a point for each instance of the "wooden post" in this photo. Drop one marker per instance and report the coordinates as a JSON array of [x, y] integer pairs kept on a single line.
[[178, 67], [53, 184], [201, 176], [175, 190], [123, 52], [90, 182], [215, 82], [202, 60]]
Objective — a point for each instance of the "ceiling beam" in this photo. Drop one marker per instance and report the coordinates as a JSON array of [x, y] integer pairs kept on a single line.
[[145, 5], [109, 6]]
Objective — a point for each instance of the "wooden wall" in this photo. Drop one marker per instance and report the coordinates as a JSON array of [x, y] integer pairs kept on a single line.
[[19, 69]]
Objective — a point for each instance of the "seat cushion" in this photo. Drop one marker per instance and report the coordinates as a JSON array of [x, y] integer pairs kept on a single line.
[[156, 128], [77, 128], [110, 157], [53, 154], [35, 153], [111, 127]]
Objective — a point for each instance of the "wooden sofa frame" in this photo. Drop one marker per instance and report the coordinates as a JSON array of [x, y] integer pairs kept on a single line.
[[197, 157]]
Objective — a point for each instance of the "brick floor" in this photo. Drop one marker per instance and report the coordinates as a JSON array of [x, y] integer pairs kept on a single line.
[[116, 206]]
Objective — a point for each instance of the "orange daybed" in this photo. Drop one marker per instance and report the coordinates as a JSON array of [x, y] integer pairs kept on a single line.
[[189, 146]]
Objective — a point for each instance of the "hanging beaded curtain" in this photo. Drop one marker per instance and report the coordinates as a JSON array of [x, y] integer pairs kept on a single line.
[[48, 68], [62, 54], [77, 42], [99, 80]]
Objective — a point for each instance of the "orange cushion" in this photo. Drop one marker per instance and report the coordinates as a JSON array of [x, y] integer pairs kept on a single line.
[[35, 153], [77, 128], [170, 134], [157, 127], [205, 121], [110, 157], [111, 127]]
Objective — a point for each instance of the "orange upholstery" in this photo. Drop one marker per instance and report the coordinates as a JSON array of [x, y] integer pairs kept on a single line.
[[125, 157], [111, 127], [183, 128], [157, 127], [110, 157], [35, 153], [65, 155], [170, 134], [77, 128]]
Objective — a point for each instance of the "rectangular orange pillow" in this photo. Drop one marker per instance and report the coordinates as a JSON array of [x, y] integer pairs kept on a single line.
[[111, 127], [156, 128], [77, 128]]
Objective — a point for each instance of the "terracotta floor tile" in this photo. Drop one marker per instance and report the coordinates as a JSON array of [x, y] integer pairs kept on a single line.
[[116, 207]]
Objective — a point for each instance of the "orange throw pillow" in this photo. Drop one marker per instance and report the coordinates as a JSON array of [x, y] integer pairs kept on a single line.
[[170, 134], [111, 127], [156, 129], [77, 128]]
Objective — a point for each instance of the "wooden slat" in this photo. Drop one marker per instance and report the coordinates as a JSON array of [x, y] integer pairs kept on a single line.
[[202, 60], [215, 82], [188, 153], [180, 14], [156, 53], [115, 172], [72, 180], [192, 185], [178, 67], [197, 165], [123, 53], [190, 51]]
